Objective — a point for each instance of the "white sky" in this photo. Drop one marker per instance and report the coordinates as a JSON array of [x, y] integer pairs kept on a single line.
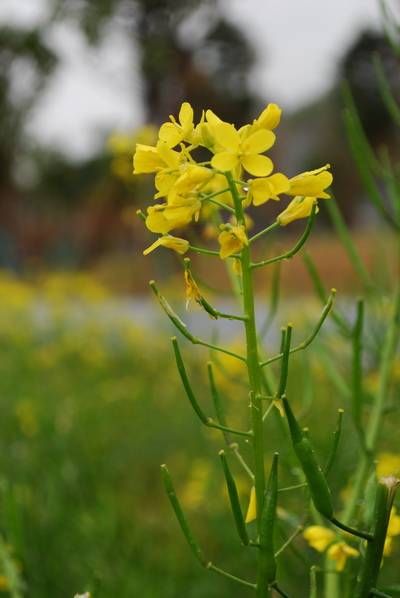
[[298, 43]]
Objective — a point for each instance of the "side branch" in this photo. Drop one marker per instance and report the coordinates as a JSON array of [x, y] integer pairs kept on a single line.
[[183, 329], [207, 421], [312, 336], [289, 254], [187, 532]]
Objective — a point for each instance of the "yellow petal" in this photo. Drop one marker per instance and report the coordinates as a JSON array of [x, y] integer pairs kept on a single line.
[[164, 181], [224, 161], [340, 552], [258, 142], [311, 183], [231, 241], [156, 221], [257, 165], [252, 508], [319, 537], [186, 115], [299, 207], [270, 117], [170, 134], [226, 136], [175, 243], [146, 159], [261, 190]]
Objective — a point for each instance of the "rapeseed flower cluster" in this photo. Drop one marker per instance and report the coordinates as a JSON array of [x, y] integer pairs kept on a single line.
[[186, 188]]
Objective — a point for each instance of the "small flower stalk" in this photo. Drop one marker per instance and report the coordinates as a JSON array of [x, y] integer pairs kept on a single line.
[[210, 174]]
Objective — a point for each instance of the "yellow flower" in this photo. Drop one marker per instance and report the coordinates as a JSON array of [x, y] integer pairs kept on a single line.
[[393, 530], [162, 218], [319, 537], [299, 207], [4, 583], [192, 180], [388, 464], [252, 508], [394, 523], [148, 159], [245, 152], [179, 245], [340, 552], [232, 240], [261, 190], [174, 132], [312, 183]]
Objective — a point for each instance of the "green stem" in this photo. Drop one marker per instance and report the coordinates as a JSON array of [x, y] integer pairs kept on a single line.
[[242, 582], [254, 374], [375, 421]]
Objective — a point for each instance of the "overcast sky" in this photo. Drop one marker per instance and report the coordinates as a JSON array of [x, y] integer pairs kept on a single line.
[[298, 43]]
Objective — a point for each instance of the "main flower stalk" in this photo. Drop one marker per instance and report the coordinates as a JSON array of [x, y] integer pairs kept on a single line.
[[254, 373]]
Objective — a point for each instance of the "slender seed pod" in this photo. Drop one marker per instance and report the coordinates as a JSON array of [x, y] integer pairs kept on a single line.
[[316, 480], [187, 532], [234, 500], [267, 561], [186, 384], [384, 497]]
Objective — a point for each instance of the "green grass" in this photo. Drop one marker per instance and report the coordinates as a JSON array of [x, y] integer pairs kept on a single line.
[[88, 413]]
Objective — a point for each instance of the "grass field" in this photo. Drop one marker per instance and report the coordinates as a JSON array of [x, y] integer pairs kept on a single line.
[[91, 406]]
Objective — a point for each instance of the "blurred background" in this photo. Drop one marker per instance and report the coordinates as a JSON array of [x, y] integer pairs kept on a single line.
[[85, 420]]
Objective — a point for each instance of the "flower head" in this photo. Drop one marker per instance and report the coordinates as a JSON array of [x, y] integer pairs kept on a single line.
[[236, 151], [340, 552], [232, 239], [319, 537], [174, 132]]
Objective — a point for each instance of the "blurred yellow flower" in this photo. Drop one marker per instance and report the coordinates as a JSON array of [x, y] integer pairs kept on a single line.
[[175, 243], [232, 240], [393, 530], [340, 552], [319, 537], [388, 464]]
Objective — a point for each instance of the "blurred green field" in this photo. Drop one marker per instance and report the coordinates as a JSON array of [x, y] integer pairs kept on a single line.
[[91, 406]]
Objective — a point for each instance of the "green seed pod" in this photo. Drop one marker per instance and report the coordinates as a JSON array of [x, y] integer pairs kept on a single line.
[[316, 480], [384, 497], [267, 561]]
